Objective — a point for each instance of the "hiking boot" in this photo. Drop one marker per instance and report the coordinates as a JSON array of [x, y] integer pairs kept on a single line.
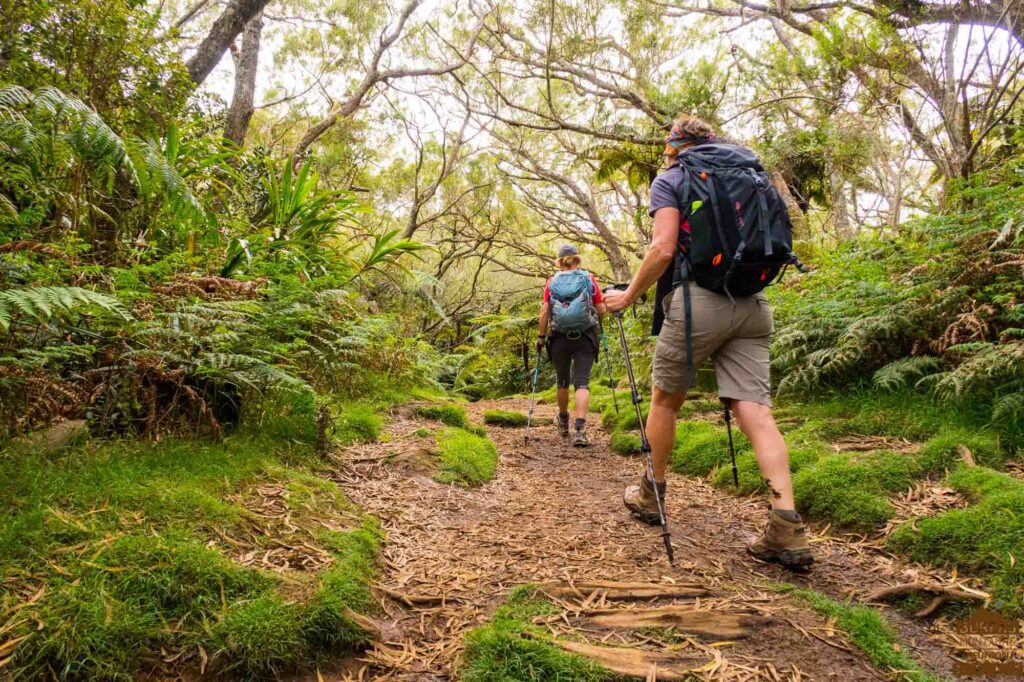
[[640, 501], [579, 438], [563, 424], [783, 541]]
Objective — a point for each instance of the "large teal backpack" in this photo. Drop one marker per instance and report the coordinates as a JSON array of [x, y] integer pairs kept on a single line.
[[571, 305]]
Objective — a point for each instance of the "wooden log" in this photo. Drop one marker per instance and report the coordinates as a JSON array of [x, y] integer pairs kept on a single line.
[[634, 662], [52, 439], [708, 623], [618, 591]]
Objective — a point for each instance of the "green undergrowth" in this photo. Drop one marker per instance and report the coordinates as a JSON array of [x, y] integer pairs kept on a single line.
[[986, 538], [868, 630], [466, 458], [511, 647], [452, 415], [504, 418], [878, 413], [129, 546]]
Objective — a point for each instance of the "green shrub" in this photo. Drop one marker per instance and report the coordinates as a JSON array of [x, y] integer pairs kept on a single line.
[[700, 447], [422, 433], [358, 423], [465, 458], [625, 443], [476, 430], [452, 415], [504, 418], [510, 647], [868, 630]]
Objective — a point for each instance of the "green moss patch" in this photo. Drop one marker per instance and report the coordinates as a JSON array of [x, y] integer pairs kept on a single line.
[[869, 631], [510, 647], [465, 458], [357, 423], [452, 415], [702, 447], [504, 418], [125, 538], [625, 443], [987, 538], [625, 419]]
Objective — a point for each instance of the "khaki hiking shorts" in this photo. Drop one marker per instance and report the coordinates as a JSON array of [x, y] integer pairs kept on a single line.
[[737, 338]]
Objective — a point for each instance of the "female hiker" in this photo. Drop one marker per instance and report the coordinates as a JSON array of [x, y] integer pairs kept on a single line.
[[572, 311]]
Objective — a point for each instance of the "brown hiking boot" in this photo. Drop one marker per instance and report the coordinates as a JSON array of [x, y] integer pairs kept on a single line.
[[579, 437], [783, 541], [640, 501], [563, 425]]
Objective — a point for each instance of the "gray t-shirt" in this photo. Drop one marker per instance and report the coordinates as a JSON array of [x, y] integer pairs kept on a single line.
[[665, 191]]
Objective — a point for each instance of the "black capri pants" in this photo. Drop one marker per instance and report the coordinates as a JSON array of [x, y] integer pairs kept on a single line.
[[578, 353]]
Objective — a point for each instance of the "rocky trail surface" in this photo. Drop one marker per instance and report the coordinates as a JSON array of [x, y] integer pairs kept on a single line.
[[553, 516]]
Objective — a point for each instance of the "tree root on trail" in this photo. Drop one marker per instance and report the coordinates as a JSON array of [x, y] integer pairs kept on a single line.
[[411, 600], [942, 594]]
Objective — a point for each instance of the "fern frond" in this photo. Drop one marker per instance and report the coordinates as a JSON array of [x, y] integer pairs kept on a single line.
[[899, 373]]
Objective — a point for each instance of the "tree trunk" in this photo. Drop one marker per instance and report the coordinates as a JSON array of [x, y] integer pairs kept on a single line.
[[227, 26], [796, 214], [840, 209], [245, 82]]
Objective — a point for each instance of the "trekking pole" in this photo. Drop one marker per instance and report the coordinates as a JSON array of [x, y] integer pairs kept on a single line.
[[645, 445], [533, 393], [727, 414], [611, 380]]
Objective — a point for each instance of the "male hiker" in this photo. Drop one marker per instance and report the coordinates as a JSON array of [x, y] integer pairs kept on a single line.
[[721, 234], [573, 308]]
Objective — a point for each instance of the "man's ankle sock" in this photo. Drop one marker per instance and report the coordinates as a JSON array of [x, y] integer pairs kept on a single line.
[[788, 514], [580, 423], [564, 416]]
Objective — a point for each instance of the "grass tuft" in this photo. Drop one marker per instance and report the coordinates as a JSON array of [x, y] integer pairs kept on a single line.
[[701, 447], [510, 647], [625, 443], [466, 458], [504, 418], [868, 630], [358, 423], [452, 415]]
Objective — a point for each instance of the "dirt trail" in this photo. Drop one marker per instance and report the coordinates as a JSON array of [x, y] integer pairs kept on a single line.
[[554, 514]]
